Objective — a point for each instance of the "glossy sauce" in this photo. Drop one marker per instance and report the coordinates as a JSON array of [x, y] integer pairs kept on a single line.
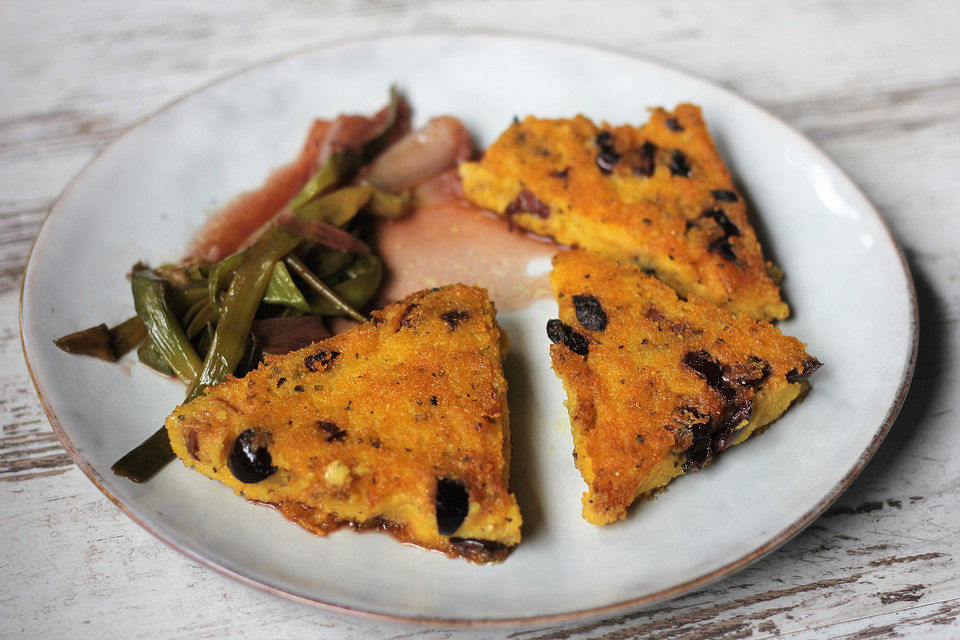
[[228, 229]]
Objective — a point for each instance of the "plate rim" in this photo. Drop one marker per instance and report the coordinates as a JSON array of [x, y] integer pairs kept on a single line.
[[775, 541]]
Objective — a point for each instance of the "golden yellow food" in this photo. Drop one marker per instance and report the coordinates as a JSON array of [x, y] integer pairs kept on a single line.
[[399, 424], [656, 385], [658, 196]]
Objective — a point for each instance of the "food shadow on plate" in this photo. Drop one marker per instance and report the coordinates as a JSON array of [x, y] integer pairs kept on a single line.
[[524, 458], [759, 223], [755, 217], [865, 495]]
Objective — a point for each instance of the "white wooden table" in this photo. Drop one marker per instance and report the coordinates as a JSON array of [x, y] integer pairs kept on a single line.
[[876, 84]]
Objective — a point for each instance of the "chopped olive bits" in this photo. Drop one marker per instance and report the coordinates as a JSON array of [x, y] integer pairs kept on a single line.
[[663, 385], [658, 196], [398, 425]]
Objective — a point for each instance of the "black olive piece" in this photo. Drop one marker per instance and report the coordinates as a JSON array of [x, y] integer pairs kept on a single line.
[[696, 427], [452, 502], [589, 312], [673, 124], [708, 442], [698, 453], [249, 460], [577, 343], [607, 156], [645, 161], [703, 364], [752, 374], [729, 427], [724, 195], [723, 247], [806, 369], [678, 164], [607, 161], [454, 318], [558, 332], [730, 230]]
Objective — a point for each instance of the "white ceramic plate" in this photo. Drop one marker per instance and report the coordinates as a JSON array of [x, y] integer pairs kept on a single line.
[[143, 197]]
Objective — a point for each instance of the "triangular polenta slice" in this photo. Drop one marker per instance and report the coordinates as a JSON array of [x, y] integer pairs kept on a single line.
[[399, 424], [656, 385], [658, 196]]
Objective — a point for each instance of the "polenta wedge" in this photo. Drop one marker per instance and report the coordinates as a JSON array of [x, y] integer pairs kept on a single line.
[[399, 424], [658, 386], [658, 196]]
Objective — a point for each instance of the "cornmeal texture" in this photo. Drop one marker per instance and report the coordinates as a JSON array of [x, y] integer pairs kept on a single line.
[[658, 386], [658, 196], [400, 424]]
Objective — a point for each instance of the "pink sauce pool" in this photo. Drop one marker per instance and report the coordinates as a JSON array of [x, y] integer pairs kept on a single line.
[[445, 240], [230, 227]]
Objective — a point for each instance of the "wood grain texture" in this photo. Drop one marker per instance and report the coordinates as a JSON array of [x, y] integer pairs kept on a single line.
[[876, 84]]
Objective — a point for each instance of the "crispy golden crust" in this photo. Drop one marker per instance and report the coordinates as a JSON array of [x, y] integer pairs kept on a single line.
[[665, 384], [659, 196], [361, 427]]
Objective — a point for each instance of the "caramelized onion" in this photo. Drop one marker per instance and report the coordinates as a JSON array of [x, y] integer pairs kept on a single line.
[[353, 131], [347, 132], [438, 146], [281, 335]]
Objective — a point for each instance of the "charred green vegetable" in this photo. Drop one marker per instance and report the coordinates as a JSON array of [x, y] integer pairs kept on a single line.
[[331, 302], [166, 335], [104, 343], [240, 305]]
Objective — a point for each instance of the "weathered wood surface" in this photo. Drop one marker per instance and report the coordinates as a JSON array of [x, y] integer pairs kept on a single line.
[[876, 84]]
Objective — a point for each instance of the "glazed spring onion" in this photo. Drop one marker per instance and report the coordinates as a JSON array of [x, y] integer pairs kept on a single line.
[[204, 322], [167, 337], [104, 343]]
